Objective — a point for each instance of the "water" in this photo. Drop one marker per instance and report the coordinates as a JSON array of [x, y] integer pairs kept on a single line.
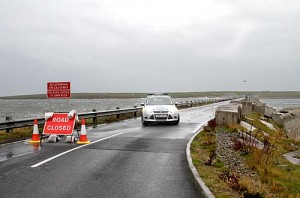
[[279, 104], [32, 108]]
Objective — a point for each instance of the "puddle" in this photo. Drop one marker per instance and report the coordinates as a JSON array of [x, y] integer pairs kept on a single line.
[[10, 151], [292, 157]]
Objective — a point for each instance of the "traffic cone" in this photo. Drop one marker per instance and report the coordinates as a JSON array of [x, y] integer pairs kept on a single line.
[[83, 137], [35, 134]]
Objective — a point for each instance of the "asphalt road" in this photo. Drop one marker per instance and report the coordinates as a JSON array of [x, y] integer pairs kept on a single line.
[[132, 161]]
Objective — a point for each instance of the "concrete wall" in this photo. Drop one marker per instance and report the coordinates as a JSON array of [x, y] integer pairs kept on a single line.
[[263, 109], [223, 117], [292, 128], [259, 108], [277, 117], [232, 113], [228, 114], [269, 111], [247, 108], [256, 106], [282, 118]]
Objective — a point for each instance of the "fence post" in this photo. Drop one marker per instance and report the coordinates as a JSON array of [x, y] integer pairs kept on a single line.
[[8, 118], [95, 118], [135, 113], [118, 115]]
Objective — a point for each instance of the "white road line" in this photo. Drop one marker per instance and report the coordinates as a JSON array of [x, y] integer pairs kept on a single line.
[[68, 151], [199, 126]]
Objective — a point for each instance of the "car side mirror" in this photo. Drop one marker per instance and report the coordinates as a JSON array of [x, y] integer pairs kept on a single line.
[[142, 104]]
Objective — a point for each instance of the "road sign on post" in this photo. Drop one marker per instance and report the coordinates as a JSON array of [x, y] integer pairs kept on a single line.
[[59, 89], [59, 124]]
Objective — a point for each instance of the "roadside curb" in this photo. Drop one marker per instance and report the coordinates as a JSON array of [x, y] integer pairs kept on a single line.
[[197, 179]]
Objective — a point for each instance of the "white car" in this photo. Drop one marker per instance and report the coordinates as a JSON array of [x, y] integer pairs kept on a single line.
[[159, 108]]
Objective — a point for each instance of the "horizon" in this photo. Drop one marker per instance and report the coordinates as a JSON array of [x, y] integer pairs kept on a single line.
[[77, 94]]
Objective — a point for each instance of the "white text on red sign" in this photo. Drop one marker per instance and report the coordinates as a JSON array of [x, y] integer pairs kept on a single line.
[[59, 124]]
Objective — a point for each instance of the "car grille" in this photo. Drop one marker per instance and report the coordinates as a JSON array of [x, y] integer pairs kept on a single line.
[[161, 116], [160, 111]]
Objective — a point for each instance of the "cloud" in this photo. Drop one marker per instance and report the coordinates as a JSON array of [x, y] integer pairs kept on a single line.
[[121, 46]]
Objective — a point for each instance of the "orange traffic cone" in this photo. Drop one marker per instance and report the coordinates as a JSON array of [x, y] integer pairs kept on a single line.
[[83, 137], [35, 134]]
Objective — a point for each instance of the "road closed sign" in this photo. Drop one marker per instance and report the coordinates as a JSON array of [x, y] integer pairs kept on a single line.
[[59, 124]]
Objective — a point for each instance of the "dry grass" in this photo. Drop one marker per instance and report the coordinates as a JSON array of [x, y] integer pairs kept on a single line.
[[278, 177], [201, 148], [255, 121], [16, 135]]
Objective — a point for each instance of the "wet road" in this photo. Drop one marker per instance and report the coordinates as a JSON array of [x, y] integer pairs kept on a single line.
[[123, 160]]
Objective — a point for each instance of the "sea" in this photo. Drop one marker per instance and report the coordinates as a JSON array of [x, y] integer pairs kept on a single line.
[[34, 108], [280, 104]]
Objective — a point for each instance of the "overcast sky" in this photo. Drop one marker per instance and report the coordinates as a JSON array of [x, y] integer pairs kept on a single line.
[[149, 45]]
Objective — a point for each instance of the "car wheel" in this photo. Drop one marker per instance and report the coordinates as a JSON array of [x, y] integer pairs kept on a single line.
[[177, 121], [145, 123]]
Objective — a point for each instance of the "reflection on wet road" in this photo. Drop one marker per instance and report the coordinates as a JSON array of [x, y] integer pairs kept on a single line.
[[8, 151]]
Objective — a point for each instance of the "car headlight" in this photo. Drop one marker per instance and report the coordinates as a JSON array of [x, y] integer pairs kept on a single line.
[[147, 111], [174, 111]]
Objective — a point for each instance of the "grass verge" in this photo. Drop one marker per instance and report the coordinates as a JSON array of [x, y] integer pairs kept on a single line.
[[278, 177], [202, 152]]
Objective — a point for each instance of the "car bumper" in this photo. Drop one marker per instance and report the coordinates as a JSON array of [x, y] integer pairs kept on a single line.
[[160, 118]]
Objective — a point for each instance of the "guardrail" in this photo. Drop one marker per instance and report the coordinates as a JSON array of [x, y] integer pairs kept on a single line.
[[12, 124], [9, 125]]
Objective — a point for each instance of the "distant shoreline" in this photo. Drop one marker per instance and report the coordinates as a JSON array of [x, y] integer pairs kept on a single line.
[[261, 94]]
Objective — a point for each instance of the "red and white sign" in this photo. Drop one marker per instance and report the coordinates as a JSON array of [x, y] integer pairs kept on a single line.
[[59, 89], [59, 124]]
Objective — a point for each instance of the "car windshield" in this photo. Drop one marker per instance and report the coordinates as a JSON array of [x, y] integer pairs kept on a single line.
[[159, 101]]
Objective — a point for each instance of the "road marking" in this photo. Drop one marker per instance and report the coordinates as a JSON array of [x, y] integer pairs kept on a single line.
[[199, 126], [68, 151]]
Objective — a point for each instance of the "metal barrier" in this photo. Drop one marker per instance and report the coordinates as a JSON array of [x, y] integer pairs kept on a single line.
[[12, 124]]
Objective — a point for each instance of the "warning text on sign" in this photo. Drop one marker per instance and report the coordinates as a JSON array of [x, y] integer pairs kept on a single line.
[[59, 89], [59, 124]]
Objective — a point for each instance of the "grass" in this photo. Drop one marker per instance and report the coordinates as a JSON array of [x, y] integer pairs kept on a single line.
[[16, 135], [201, 149], [278, 177], [255, 121]]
